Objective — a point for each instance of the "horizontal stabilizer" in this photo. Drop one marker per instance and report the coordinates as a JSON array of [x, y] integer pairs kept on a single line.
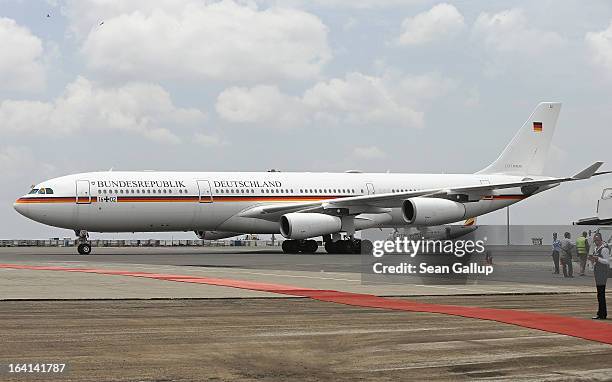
[[588, 172]]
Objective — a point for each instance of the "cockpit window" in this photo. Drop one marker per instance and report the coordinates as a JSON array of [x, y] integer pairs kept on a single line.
[[47, 191], [33, 191]]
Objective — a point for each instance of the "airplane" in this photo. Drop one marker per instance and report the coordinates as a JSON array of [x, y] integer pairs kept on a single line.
[[299, 205]]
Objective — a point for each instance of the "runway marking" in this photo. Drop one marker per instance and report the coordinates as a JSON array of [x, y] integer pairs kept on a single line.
[[284, 275], [590, 330]]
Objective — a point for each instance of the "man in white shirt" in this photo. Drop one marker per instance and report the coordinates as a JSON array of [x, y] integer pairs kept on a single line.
[[601, 265]]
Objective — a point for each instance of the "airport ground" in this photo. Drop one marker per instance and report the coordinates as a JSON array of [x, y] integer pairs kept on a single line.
[[111, 327]]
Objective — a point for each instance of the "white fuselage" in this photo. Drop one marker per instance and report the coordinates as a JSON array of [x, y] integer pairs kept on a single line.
[[194, 201]]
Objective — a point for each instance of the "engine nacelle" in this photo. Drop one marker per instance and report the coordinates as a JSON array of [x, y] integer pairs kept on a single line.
[[303, 226], [432, 211], [214, 235]]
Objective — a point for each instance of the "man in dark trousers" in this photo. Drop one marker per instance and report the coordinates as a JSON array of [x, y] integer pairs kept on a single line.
[[567, 247], [556, 248], [601, 268]]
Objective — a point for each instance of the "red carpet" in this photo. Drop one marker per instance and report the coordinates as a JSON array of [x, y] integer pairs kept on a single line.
[[582, 328]]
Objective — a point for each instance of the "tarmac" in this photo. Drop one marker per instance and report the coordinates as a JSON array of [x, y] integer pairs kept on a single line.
[[114, 327]]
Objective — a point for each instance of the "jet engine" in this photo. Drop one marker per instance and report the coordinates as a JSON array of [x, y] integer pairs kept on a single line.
[[303, 226], [432, 211]]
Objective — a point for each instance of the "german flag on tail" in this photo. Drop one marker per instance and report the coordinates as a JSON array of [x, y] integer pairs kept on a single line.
[[537, 127]]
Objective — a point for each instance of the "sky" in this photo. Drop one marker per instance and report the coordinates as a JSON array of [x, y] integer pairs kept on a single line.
[[323, 85]]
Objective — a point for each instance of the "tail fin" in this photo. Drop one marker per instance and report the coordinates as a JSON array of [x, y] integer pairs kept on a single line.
[[526, 153]]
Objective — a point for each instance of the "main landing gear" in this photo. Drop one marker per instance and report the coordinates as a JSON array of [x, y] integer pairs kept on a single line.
[[83, 245], [300, 246], [346, 246], [343, 246]]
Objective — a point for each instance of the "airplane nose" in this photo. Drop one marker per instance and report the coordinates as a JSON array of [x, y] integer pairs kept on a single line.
[[22, 208]]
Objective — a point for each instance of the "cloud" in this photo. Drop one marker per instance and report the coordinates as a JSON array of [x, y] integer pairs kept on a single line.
[[209, 140], [357, 4], [369, 152], [17, 160], [21, 66], [260, 104], [362, 99], [439, 23], [392, 99], [600, 46], [199, 40], [509, 31], [139, 108]]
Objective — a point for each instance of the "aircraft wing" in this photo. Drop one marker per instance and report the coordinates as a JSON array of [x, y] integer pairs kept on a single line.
[[391, 200]]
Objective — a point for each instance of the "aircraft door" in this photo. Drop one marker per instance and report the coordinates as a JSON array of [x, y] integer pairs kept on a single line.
[[205, 192], [83, 192], [370, 188]]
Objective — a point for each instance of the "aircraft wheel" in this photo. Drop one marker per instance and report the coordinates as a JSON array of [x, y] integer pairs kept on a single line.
[[290, 246], [331, 247], [356, 244], [311, 246], [345, 246], [84, 249]]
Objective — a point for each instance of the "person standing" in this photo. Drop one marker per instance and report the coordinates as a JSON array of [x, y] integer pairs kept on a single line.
[[556, 249], [601, 268], [582, 250], [566, 255]]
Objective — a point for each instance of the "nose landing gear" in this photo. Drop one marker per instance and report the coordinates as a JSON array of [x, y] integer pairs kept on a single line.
[[83, 245]]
